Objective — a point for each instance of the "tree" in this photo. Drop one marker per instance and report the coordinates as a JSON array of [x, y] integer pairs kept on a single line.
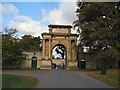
[[26, 42], [36, 44], [11, 50], [61, 50], [30, 43], [0, 50], [99, 27]]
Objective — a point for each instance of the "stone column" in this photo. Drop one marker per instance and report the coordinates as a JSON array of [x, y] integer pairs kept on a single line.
[[70, 50], [75, 49], [50, 48], [43, 48], [75, 52]]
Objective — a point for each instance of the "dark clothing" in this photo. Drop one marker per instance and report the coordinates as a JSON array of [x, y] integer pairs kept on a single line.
[[63, 66], [53, 66]]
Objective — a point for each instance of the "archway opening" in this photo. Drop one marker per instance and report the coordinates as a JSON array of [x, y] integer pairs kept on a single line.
[[59, 56]]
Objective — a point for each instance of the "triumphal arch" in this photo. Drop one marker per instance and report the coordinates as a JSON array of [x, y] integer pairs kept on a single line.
[[59, 47]]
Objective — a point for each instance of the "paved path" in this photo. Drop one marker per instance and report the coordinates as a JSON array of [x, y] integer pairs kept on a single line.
[[61, 79]]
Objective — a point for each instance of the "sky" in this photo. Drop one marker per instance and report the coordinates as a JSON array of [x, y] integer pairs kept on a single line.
[[33, 18]]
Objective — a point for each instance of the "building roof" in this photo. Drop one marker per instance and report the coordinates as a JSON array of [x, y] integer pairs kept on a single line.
[[67, 26]]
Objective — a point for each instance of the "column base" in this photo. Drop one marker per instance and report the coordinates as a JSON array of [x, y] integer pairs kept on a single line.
[[46, 64], [72, 65]]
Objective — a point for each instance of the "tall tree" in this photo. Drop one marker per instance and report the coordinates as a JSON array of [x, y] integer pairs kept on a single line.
[[11, 50], [99, 28]]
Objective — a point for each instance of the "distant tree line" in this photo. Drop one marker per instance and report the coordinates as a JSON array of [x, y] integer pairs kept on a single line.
[[30, 43], [13, 47]]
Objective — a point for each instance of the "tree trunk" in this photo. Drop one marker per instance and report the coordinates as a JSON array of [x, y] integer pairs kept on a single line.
[[103, 67]]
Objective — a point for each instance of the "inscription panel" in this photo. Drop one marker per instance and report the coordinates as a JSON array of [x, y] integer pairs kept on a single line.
[[60, 30]]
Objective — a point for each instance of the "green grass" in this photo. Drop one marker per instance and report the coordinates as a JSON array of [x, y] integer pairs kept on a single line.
[[31, 69], [110, 78], [0, 80], [15, 81]]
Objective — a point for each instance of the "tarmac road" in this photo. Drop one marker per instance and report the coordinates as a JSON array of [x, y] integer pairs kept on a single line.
[[60, 79]]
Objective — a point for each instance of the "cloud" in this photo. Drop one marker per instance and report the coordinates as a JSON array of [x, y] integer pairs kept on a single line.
[[7, 12], [9, 9], [65, 14], [23, 24], [26, 25]]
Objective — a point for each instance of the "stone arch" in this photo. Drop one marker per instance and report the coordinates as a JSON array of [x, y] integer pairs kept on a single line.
[[60, 35]]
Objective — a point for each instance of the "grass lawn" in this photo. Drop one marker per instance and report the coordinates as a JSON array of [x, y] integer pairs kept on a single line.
[[110, 78], [15, 81], [30, 69], [0, 80]]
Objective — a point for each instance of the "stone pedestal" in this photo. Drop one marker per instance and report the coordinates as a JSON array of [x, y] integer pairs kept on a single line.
[[45, 64], [26, 64], [72, 65]]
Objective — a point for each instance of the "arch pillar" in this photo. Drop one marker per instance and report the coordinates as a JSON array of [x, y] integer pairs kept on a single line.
[[43, 49], [49, 48]]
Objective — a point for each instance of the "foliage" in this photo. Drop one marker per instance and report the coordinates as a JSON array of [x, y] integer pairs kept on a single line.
[[0, 50], [12, 47], [11, 50], [99, 27], [30, 43], [60, 50]]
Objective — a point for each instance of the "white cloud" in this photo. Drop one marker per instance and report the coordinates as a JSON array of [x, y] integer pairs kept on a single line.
[[26, 25], [65, 14], [9, 9]]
